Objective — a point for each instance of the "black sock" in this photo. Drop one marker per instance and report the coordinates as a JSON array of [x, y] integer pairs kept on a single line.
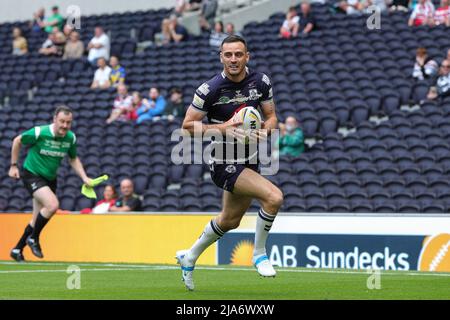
[[38, 226], [23, 240]]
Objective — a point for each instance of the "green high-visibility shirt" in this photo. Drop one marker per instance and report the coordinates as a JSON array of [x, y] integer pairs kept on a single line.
[[292, 144], [52, 18], [47, 150]]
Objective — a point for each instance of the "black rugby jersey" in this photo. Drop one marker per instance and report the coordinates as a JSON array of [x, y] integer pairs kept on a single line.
[[220, 98]]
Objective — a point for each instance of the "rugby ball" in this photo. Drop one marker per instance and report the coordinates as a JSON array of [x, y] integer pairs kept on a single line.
[[250, 117]]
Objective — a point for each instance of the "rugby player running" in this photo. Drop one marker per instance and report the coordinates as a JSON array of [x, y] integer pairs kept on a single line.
[[220, 99]]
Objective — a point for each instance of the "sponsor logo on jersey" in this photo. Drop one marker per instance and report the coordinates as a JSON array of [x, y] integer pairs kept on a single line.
[[51, 153], [198, 102], [230, 168], [203, 89], [239, 97], [253, 94], [266, 80]]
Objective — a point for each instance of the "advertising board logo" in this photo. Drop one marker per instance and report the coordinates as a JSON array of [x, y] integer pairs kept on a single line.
[[435, 254], [376, 252], [242, 253]]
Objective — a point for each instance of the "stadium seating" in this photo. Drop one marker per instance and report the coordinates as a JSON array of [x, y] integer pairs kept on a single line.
[[339, 76]]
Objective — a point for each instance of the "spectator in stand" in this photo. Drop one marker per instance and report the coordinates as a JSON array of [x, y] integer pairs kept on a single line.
[[172, 31], [180, 7], [67, 30], [123, 105], [291, 141], [194, 5], [290, 25], [380, 4], [229, 30], [399, 5], [19, 44], [37, 22], [137, 102], [217, 36], [448, 54], [442, 87], [208, 14], [307, 21], [99, 46], [425, 67], [351, 6], [102, 206], [175, 107], [118, 74], [102, 75], [129, 201], [422, 15], [151, 108], [442, 14], [55, 20], [54, 45], [74, 48]]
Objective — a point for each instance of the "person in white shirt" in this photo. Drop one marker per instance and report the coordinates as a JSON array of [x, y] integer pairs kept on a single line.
[[425, 67], [123, 105], [291, 25], [217, 35], [101, 76], [441, 89], [99, 46]]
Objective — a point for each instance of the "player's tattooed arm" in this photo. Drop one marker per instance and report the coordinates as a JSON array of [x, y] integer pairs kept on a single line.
[[269, 115]]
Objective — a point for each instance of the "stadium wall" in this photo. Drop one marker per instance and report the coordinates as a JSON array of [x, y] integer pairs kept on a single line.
[[13, 10], [132, 238], [363, 241]]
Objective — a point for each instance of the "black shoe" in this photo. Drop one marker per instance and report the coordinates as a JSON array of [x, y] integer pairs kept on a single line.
[[35, 247], [17, 255]]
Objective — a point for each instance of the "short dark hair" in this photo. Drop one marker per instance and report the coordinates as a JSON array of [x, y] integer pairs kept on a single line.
[[234, 38], [175, 90], [62, 108]]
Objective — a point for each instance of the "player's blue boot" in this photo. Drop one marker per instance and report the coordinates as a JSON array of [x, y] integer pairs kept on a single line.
[[187, 269], [263, 265]]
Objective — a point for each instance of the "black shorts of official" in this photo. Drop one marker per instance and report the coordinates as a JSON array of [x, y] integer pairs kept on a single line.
[[224, 175], [34, 182]]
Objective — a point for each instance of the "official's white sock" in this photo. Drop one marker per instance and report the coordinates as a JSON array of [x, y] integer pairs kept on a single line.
[[211, 234], [263, 224]]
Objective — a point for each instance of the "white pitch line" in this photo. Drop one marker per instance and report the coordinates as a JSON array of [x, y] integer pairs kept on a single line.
[[81, 270], [118, 267], [73, 263]]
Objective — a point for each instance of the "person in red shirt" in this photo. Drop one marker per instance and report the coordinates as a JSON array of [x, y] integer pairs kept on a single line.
[[422, 15], [442, 14], [109, 198]]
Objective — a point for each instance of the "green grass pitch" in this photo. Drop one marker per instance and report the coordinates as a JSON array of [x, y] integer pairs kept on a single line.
[[125, 281]]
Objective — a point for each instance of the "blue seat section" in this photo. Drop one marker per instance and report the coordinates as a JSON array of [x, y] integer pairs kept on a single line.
[[339, 75]]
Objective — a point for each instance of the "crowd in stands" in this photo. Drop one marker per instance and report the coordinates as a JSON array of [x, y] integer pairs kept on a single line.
[[295, 24], [436, 76], [423, 11]]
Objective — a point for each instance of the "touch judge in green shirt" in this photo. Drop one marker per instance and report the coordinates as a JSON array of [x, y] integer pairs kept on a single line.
[[48, 145]]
